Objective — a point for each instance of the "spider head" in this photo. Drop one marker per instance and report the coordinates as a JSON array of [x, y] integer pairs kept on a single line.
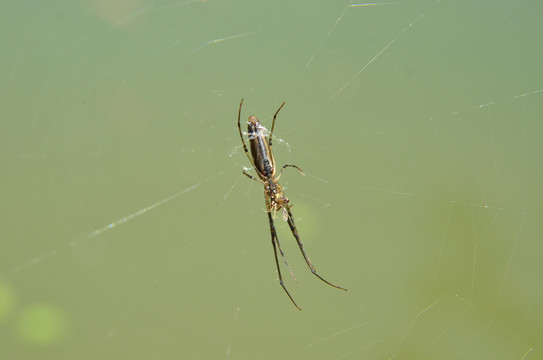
[[278, 198]]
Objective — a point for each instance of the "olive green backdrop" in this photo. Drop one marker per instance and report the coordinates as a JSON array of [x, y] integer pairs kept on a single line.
[[128, 231]]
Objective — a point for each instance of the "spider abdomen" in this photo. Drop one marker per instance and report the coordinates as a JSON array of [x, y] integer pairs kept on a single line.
[[260, 149]]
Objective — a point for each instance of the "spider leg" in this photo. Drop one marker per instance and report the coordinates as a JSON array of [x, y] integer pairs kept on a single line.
[[269, 208], [252, 177], [273, 124], [241, 135], [275, 243], [288, 165], [292, 226], [283, 255]]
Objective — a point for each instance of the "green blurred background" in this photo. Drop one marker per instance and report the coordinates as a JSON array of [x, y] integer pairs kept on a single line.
[[129, 232]]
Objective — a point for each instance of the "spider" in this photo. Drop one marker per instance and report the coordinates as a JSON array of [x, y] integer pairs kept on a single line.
[[276, 200]]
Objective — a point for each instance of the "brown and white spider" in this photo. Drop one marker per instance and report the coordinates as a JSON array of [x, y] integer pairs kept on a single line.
[[264, 165]]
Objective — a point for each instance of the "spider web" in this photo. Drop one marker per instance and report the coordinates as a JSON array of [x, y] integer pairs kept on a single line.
[[129, 231]]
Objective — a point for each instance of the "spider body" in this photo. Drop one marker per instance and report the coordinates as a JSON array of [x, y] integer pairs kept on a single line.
[[264, 164]]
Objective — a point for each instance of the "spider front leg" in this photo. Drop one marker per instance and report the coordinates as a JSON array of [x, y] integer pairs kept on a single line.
[[276, 244], [294, 231]]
